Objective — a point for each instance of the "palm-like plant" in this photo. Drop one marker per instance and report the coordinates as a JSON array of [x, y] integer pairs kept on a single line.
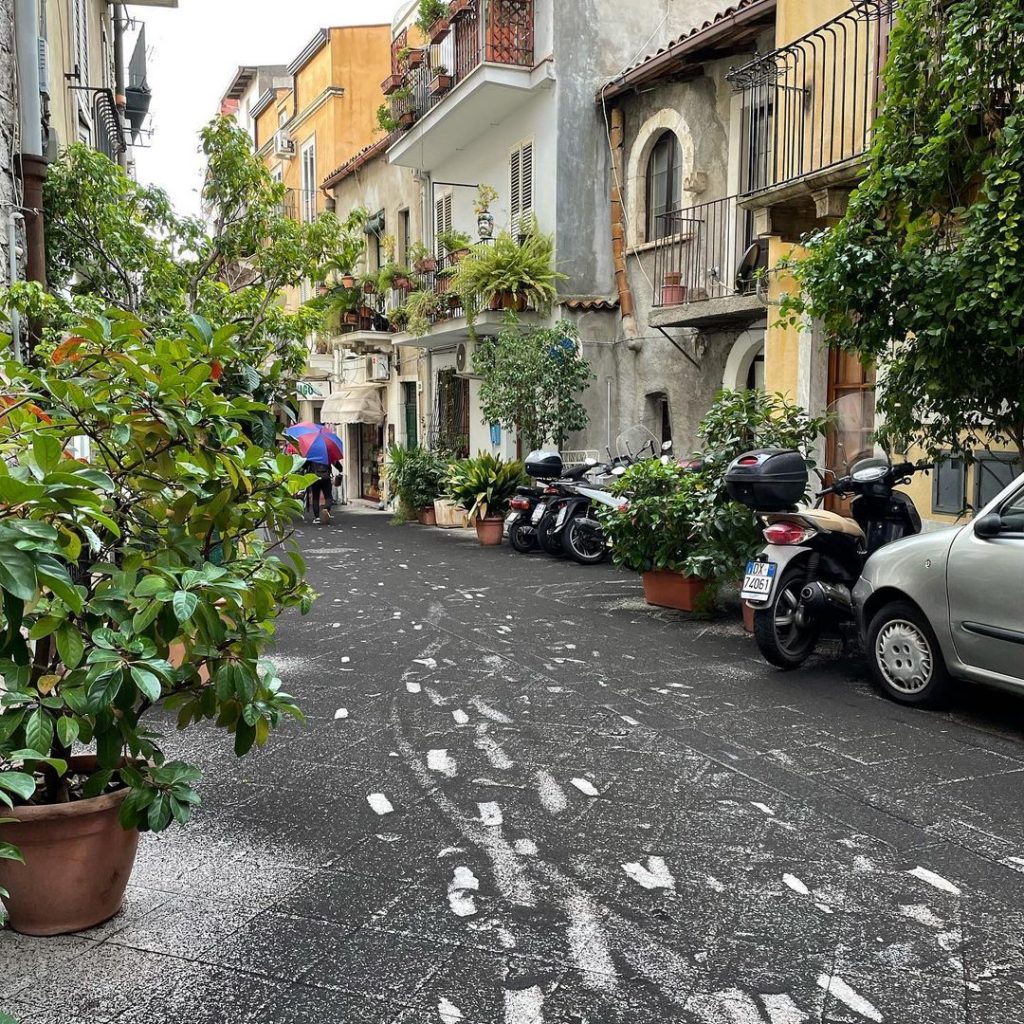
[[484, 485]]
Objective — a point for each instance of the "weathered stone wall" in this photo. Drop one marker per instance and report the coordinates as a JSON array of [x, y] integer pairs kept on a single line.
[[8, 122]]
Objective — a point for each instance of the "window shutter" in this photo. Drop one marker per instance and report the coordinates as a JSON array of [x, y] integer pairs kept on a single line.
[[81, 15], [520, 185], [442, 219], [526, 180], [515, 189]]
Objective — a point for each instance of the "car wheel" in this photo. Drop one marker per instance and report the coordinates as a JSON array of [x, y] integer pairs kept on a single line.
[[905, 657]]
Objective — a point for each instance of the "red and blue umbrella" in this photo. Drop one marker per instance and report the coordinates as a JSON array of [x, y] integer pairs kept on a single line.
[[316, 443]]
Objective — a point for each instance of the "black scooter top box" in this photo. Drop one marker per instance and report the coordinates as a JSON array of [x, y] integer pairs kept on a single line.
[[544, 465], [768, 480]]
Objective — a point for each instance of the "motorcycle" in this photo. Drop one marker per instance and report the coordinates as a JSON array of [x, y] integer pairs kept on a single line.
[[534, 523], [801, 584], [583, 538], [519, 523]]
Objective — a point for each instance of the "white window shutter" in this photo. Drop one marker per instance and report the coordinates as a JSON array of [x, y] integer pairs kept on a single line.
[[442, 219], [515, 186], [526, 178]]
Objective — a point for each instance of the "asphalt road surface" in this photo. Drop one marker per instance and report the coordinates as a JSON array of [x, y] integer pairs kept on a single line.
[[524, 797]]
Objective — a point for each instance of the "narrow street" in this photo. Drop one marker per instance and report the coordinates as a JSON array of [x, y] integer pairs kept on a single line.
[[524, 796]]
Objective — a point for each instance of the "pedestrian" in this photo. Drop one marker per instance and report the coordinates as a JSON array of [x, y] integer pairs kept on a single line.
[[318, 494]]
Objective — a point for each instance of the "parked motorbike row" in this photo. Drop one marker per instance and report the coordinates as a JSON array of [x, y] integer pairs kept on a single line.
[[554, 515], [800, 586]]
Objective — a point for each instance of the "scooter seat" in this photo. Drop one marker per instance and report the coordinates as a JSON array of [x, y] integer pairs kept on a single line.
[[831, 522]]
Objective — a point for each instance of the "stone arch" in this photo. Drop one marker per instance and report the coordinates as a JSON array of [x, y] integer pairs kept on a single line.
[[635, 184], [745, 349]]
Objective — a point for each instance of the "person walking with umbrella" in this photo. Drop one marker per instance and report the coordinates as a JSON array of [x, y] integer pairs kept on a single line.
[[323, 451]]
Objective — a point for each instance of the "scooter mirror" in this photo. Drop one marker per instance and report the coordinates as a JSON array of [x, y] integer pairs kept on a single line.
[[665, 460]]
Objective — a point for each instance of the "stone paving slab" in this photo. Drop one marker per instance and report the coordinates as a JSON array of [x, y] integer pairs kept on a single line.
[[547, 803]]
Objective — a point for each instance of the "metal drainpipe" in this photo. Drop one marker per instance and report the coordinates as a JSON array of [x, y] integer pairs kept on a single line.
[[120, 101], [617, 122], [30, 162], [13, 221]]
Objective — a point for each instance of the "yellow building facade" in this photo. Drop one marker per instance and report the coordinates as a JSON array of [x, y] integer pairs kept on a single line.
[[807, 113]]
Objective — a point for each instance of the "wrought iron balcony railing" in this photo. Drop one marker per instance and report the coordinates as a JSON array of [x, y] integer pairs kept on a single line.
[[810, 105], [700, 253], [482, 32]]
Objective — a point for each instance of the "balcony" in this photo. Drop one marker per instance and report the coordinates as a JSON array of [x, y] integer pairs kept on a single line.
[[302, 204], [705, 266], [489, 58], [448, 325], [809, 108]]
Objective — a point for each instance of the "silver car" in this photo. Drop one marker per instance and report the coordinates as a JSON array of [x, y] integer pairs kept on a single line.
[[948, 604]]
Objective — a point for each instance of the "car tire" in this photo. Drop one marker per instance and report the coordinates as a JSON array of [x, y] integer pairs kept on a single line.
[[785, 647], [905, 657]]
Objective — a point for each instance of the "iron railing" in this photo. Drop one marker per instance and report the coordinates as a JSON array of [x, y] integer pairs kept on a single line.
[[810, 105], [699, 253], [482, 32]]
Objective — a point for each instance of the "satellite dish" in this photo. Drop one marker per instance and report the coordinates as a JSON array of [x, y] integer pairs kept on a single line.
[[748, 266]]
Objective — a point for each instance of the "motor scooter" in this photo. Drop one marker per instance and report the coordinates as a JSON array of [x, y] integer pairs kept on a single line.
[[801, 583]]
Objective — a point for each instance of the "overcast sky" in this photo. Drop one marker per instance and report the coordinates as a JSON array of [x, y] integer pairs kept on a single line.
[[194, 51]]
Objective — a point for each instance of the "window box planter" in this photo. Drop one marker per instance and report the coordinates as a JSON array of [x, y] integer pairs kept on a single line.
[[391, 84], [415, 58], [440, 85], [406, 120], [457, 8], [439, 30], [667, 589]]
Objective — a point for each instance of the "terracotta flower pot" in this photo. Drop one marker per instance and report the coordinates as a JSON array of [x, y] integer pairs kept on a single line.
[[427, 516], [673, 294], [748, 616], [441, 84], [439, 31], [391, 84], [508, 300], [668, 589], [77, 862], [489, 531]]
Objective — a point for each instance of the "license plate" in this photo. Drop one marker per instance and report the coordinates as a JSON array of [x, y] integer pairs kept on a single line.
[[513, 517], [538, 512], [758, 582]]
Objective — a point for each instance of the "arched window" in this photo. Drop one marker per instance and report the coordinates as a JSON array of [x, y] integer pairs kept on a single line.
[[663, 173]]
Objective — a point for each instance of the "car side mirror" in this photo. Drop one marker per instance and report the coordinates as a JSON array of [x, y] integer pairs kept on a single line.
[[988, 526]]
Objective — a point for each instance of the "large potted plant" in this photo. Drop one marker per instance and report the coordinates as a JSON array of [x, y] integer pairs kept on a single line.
[[656, 533], [508, 273], [138, 573], [415, 475], [432, 20], [484, 486]]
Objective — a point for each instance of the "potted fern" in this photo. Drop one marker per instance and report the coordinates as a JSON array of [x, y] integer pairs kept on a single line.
[[484, 486], [509, 274]]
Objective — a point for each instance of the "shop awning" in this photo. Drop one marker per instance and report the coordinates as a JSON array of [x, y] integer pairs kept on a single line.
[[354, 405]]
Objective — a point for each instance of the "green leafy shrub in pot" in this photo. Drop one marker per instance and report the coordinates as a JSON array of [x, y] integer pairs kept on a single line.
[[416, 476], [428, 12], [144, 575], [420, 307], [507, 268], [484, 485]]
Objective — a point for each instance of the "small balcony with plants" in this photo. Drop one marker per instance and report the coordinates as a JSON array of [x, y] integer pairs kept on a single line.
[[476, 66], [473, 287], [707, 267]]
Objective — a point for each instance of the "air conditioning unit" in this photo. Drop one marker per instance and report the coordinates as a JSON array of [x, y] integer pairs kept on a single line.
[[464, 360], [378, 368], [283, 145]]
